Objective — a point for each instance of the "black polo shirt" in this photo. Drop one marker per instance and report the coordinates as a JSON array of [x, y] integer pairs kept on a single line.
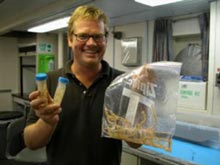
[[77, 139]]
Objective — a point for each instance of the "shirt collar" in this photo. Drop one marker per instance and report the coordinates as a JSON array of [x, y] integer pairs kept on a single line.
[[104, 72]]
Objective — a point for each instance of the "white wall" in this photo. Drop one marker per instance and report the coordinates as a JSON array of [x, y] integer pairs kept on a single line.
[[8, 72], [9, 69], [182, 36], [109, 55], [113, 52], [129, 31]]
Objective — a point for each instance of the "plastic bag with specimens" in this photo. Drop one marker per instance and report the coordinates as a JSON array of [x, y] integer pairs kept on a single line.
[[140, 105]]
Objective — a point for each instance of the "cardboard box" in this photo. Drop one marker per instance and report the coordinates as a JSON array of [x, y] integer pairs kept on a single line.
[[192, 95]]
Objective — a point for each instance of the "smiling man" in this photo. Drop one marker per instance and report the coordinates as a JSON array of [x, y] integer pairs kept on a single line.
[[71, 131]]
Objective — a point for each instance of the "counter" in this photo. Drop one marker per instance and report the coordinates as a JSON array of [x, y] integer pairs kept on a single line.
[[20, 99], [21, 102], [183, 153]]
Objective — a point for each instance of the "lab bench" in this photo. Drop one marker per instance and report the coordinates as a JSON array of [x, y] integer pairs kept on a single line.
[[183, 153], [20, 101], [20, 98]]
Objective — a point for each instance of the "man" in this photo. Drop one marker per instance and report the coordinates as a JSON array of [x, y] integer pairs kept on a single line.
[[71, 131]]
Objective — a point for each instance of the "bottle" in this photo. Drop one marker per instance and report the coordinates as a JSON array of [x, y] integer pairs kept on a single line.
[[60, 90], [41, 80], [51, 65]]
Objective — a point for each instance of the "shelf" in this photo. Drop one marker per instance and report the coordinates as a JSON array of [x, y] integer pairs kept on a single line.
[[27, 45], [27, 54], [28, 66]]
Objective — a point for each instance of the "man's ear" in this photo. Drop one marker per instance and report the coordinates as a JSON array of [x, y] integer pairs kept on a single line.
[[69, 40]]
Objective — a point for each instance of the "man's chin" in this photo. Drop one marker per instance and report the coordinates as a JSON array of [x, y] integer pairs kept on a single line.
[[92, 63]]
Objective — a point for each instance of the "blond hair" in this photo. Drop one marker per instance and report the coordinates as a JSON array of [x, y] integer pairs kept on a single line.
[[87, 12]]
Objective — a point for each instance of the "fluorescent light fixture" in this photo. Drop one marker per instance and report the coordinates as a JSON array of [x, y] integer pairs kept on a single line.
[[50, 26], [156, 2]]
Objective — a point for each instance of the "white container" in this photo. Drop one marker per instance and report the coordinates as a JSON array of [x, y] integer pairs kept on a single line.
[[60, 90], [192, 95], [51, 65]]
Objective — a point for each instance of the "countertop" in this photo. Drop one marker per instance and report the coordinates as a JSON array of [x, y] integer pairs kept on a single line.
[[183, 153], [22, 96]]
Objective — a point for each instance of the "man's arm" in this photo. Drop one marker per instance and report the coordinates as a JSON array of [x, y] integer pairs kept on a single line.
[[38, 134]]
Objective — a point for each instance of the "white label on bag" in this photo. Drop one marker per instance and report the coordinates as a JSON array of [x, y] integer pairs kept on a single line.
[[132, 108], [134, 99]]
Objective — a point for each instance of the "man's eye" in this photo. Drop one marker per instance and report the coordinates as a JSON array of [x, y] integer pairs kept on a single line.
[[97, 36], [83, 36]]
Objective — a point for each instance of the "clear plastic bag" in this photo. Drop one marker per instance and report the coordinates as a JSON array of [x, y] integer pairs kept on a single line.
[[140, 105]]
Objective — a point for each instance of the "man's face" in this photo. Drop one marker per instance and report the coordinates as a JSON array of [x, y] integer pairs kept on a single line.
[[88, 51]]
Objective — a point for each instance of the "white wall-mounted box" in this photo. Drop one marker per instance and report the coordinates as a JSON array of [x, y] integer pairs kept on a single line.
[[186, 27], [192, 95]]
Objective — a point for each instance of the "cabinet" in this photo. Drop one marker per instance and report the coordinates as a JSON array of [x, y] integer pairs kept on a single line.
[[129, 159], [34, 52]]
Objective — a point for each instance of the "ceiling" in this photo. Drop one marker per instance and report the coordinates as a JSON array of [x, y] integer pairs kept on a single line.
[[22, 14]]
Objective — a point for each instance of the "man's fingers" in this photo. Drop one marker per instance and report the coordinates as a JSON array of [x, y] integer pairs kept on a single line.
[[50, 109], [33, 95], [50, 114], [39, 103]]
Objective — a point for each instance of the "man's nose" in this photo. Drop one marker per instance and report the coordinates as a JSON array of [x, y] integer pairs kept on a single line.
[[91, 41]]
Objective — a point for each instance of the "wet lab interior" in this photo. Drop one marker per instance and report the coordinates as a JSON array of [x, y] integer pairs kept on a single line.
[[187, 31]]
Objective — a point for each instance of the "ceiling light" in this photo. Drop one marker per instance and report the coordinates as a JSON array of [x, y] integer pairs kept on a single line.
[[156, 2], [50, 26]]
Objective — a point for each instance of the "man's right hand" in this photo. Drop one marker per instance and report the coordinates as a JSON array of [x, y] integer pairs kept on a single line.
[[45, 108]]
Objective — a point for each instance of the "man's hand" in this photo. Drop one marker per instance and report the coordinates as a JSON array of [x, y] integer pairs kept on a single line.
[[45, 108]]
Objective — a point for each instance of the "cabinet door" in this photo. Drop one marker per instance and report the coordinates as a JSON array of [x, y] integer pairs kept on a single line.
[[128, 159]]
